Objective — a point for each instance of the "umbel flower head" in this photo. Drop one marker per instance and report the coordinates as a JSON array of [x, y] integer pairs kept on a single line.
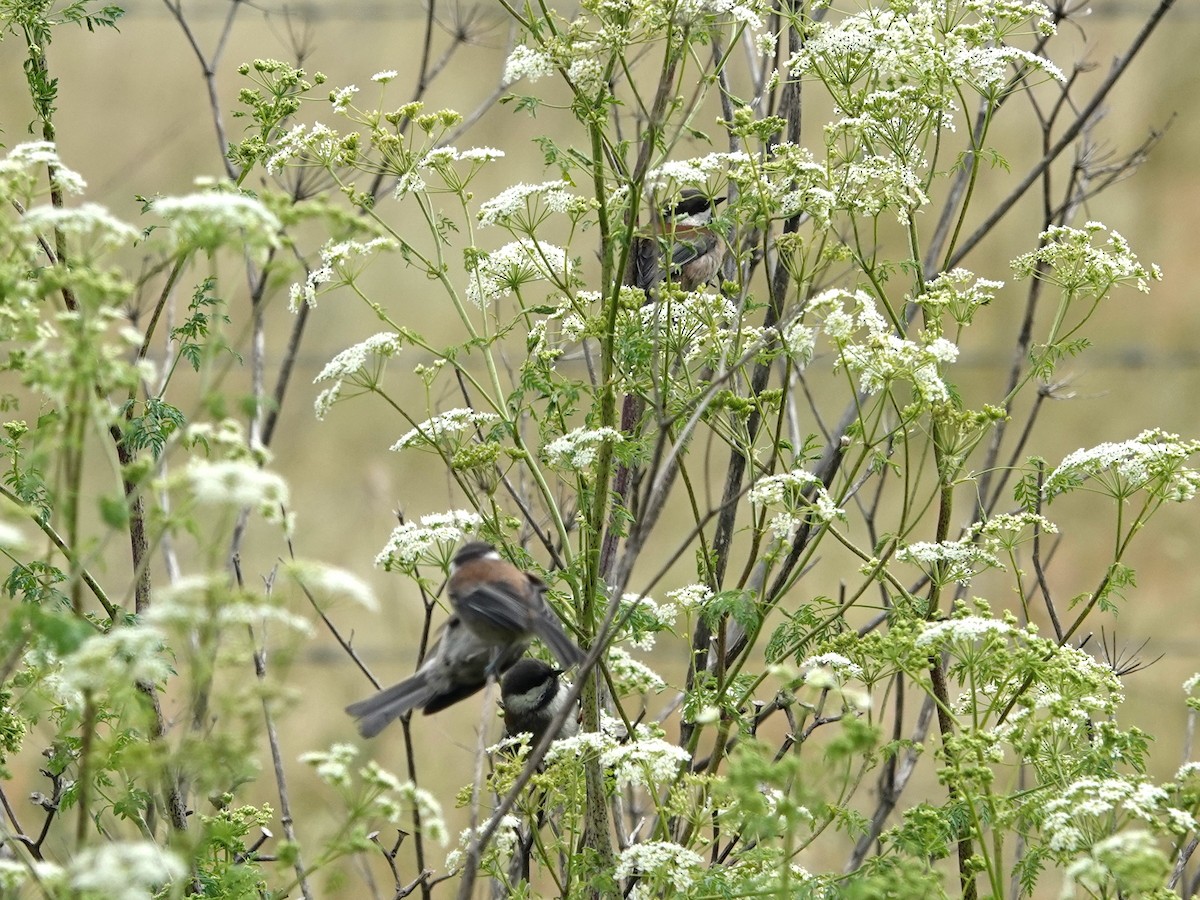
[[212, 219], [1153, 461]]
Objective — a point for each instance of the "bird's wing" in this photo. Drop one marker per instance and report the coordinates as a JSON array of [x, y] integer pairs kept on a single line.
[[449, 697], [565, 650], [498, 605], [647, 265], [695, 245]]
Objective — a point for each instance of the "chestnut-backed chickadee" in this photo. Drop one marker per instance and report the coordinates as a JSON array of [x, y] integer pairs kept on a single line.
[[532, 694], [683, 246], [504, 606], [457, 666]]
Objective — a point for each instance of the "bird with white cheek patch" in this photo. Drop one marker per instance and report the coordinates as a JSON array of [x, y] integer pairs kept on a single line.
[[532, 694]]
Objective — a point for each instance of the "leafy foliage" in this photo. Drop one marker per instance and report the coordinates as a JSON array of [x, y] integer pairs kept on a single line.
[[621, 428]]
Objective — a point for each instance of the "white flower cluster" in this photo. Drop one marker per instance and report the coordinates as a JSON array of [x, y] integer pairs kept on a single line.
[[392, 797], [228, 438], [351, 365], [1152, 461], [661, 867], [549, 335], [1073, 716], [514, 265], [899, 118], [333, 765], [949, 561], [692, 172], [749, 13], [581, 746], [516, 201], [343, 259], [1015, 523], [881, 356], [527, 62], [11, 537], [440, 160], [650, 618], [959, 293], [988, 69], [643, 758], [1069, 816], [316, 145], [799, 342], [1135, 850], [790, 182], [499, 849], [691, 597], [382, 794], [632, 676], [14, 873], [214, 218], [909, 42], [86, 220], [433, 823], [326, 582], [238, 484], [22, 171], [125, 870], [831, 672], [576, 451], [646, 760], [874, 184], [1068, 258], [114, 660], [586, 71], [353, 359], [841, 665], [198, 602], [341, 98], [694, 325], [800, 493], [471, 154], [964, 628], [432, 432], [411, 543], [613, 26]]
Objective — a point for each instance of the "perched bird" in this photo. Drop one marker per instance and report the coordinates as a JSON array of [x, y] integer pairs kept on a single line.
[[683, 246], [504, 606], [532, 694], [457, 666]]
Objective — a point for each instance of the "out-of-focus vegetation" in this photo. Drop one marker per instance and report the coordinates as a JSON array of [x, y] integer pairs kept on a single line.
[[135, 119]]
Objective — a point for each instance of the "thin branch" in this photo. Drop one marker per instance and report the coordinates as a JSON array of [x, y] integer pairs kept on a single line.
[[1068, 137]]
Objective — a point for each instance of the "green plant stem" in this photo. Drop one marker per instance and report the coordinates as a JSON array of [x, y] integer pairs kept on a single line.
[[596, 834], [73, 560], [937, 669]]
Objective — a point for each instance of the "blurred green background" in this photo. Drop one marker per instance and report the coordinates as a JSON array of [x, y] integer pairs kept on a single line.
[[134, 119]]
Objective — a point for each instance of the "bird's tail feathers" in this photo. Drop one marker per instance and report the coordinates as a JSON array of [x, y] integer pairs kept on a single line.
[[376, 712], [564, 649]]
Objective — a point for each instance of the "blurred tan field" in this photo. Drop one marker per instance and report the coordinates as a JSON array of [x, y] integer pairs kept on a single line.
[[134, 120]]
